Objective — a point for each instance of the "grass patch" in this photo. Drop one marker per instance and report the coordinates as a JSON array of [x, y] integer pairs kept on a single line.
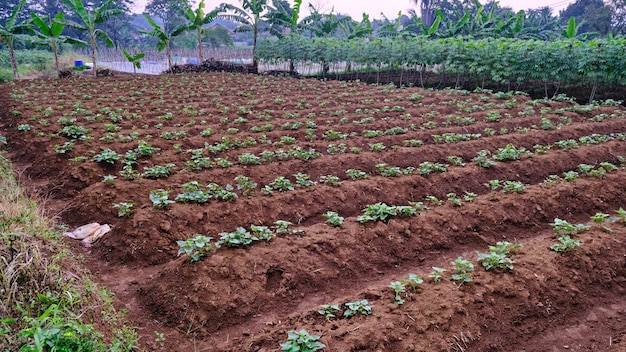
[[47, 299]]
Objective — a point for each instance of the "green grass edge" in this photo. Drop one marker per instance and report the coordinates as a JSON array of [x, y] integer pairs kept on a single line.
[[48, 300]]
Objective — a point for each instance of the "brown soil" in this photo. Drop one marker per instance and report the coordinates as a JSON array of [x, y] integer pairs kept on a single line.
[[247, 299]]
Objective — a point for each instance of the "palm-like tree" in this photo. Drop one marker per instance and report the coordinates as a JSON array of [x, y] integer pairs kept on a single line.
[[250, 18], [164, 38], [196, 19], [283, 19], [11, 30], [50, 34], [90, 19]]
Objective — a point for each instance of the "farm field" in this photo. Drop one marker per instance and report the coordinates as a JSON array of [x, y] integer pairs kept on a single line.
[[329, 193]]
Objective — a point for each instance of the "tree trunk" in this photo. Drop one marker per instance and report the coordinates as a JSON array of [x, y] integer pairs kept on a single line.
[[16, 75], [93, 55], [55, 49], [168, 52], [199, 34], [255, 64]]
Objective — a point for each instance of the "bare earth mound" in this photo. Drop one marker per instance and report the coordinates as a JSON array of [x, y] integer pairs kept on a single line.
[[86, 144]]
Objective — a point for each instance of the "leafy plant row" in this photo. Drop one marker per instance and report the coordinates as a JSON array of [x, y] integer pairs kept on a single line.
[[499, 59]]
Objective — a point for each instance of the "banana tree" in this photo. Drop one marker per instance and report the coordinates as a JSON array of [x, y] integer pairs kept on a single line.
[[283, 20], [250, 18], [196, 19], [90, 19], [11, 30], [133, 59], [164, 38], [50, 34]]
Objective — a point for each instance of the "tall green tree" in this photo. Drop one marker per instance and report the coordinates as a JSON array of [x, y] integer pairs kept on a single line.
[[282, 18], [163, 37], [6, 8], [197, 19], [167, 13], [11, 30], [250, 19], [618, 22], [592, 15], [89, 19], [50, 34]]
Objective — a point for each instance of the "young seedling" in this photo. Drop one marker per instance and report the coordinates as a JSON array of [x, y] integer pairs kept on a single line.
[[301, 341], [357, 307], [434, 201], [418, 206], [237, 238], [566, 244], [124, 208], [406, 210], [109, 180], [600, 217], [333, 218], [245, 185], [159, 198], [621, 216], [469, 196], [377, 212], [452, 197], [106, 156], [462, 268], [195, 247], [498, 256], [356, 174], [328, 310], [303, 180], [262, 232], [436, 274], [330, 180], [158, 171], [398, 288], [562, 227], [282, 226]]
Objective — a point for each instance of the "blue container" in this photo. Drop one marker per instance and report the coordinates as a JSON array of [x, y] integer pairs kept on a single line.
[[78, 63], [193, 60]]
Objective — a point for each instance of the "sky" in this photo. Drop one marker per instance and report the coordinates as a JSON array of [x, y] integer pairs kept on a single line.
[[374, 8]]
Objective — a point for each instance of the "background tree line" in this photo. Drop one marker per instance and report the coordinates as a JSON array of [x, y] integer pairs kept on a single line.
[[178, 23]]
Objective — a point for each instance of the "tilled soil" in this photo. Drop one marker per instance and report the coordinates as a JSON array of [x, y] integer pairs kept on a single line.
[[248, 298]]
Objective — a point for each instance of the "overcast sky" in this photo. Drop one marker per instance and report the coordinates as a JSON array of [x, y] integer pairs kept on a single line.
[[390, 8]]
